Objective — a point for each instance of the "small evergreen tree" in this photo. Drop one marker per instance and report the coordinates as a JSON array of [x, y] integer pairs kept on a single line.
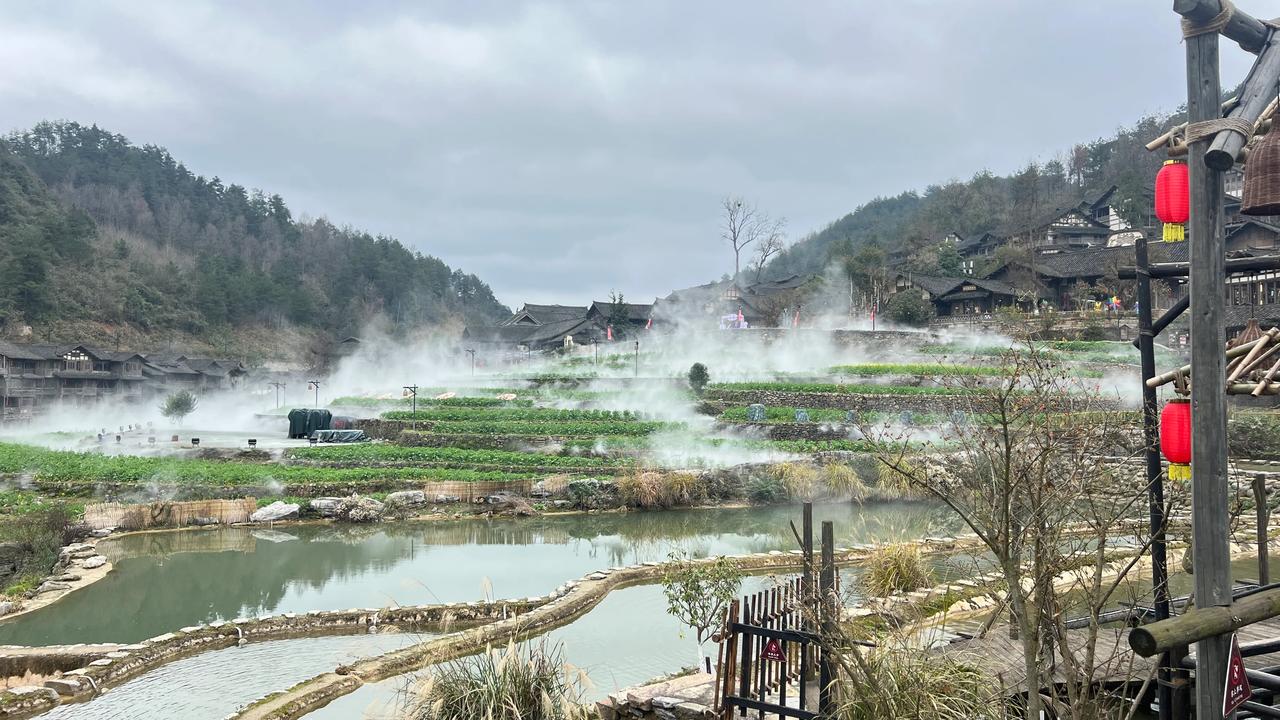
[[909, 308], [179, 405], [698, 378]]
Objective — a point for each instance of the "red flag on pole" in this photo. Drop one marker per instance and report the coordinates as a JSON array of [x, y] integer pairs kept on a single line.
[[608, 332], [649, 324]]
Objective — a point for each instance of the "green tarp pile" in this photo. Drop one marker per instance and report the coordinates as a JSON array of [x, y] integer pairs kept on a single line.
[[303, 422]]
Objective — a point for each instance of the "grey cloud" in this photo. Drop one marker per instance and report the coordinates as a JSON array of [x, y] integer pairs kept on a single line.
[[562, 149]]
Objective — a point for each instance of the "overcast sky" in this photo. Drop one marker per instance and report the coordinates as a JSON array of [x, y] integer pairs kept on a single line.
[[559, 150]]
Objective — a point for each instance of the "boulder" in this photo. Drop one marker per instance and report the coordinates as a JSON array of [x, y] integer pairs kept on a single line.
[[447, 499], [7, 607], [63, 686], [278, 510], [326, 506], [51, 586], [359, 509], [96, 561], [407, 497]]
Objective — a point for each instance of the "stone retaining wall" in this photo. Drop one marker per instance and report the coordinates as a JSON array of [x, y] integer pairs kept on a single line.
[[125, 662], [846, 401], [570, 601]]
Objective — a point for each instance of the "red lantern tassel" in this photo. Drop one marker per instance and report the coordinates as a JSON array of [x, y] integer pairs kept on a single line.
[[1179, 472], [1173, 232]]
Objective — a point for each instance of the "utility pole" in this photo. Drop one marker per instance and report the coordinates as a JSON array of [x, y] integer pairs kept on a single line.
[[1209, 530], [278, 386], [472, 353], [315, 384], [637, 358], [412, 391]]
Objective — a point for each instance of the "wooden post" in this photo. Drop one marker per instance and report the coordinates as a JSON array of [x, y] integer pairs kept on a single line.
[[829, 609], [1202, 622], [1258, 91], [1155, 474], [1209, 530], [1260, 508]]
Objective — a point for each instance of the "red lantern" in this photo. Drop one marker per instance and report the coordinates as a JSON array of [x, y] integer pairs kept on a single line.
[[1175, 438], [1173, 199]]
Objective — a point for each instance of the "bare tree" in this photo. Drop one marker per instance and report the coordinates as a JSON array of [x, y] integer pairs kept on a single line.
[[745, 224], [768, 247], [1028, 473]]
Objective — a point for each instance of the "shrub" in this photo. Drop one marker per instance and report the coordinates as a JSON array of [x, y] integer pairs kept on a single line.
[[515, 684], [591, 493], [39, 535], [908, 308], [1253, 435], [894, 569], [766, 488], [698, 377]]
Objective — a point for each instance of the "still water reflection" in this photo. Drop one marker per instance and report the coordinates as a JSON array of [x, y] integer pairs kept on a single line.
[[166, 580]]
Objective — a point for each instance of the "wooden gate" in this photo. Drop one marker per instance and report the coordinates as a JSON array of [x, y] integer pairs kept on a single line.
[[771, 658], [768, 657]]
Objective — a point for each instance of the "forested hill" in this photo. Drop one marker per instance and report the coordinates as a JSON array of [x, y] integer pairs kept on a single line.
[[990, 203], [95, 229]]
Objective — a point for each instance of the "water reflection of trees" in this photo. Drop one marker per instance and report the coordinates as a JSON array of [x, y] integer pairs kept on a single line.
[[167, 580]]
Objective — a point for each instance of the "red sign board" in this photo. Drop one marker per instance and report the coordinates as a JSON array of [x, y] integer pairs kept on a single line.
[[773, 651], [1237, 689]]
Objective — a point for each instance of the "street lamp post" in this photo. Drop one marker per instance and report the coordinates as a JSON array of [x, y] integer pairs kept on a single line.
[[315, 385], [637, 358], [412, 391], [472, 353]]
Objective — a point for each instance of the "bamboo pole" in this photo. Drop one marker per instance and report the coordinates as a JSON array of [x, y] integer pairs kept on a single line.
[[1266, 380], [1256, 363], [1169, 135], [1166, 378], [1252, 356]]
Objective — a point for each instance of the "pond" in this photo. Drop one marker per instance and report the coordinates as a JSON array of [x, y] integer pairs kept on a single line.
[[165, 580], [214, 684]]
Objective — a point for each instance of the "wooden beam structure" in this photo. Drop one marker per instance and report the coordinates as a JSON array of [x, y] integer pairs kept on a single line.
[[1249, 32]]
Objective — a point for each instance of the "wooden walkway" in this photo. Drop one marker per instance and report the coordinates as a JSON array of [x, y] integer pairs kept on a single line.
[[999, 655]]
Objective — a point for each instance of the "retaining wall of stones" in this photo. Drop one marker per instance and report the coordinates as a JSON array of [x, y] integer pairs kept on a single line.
[[845, 401], [124, 662]]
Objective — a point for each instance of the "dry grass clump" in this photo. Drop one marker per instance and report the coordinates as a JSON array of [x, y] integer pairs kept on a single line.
[[652, 489], [800, 480], [894, 569], [907, 682], [515, 684], [843, 481]]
